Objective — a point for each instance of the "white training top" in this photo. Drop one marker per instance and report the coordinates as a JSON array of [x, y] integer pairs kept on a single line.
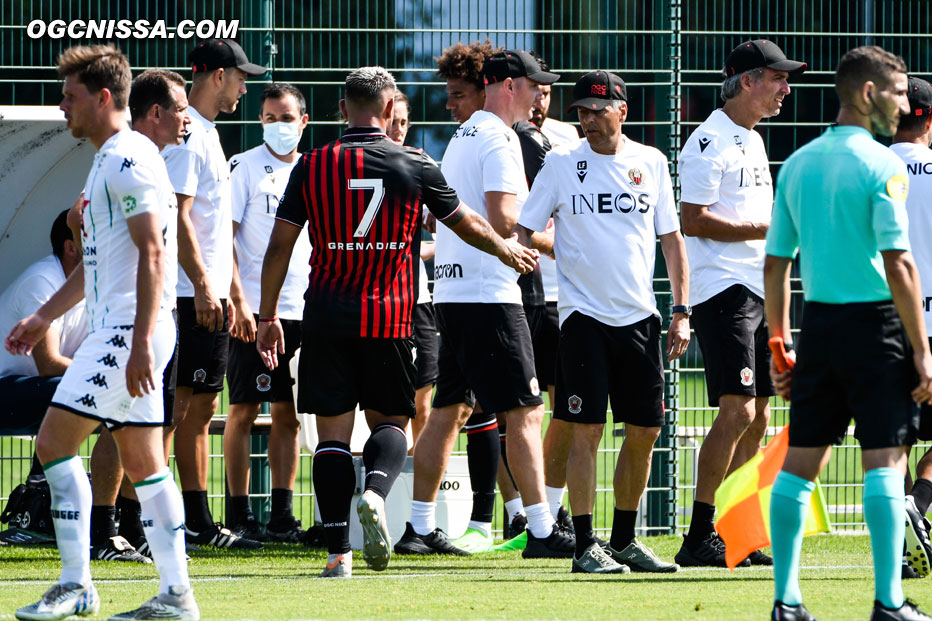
[[559, 134], [197, 167], [483, 156], [24, 296], [258, 181], [608, 211], [918, 161], [725, 166], [423, 288], [127, 178]]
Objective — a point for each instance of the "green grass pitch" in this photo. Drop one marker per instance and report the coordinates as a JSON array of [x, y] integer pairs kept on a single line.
[[280, 583]]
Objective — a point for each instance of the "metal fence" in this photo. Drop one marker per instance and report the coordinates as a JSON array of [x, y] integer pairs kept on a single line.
[[670, 53]]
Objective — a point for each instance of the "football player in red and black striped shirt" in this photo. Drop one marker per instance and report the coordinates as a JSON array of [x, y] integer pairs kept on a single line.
[[361, 197]]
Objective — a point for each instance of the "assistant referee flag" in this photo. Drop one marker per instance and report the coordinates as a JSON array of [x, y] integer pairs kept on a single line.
[[742, 503]]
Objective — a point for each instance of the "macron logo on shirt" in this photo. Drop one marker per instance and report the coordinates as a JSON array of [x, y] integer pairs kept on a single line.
[[703, 143]]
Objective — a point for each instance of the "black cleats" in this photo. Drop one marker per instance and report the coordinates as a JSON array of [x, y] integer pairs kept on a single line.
[[907, 612], [435, 542], [558, 544], [710, 552], [785, 612]]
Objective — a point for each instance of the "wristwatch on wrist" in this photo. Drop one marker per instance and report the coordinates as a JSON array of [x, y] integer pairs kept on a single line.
[[686, 309]]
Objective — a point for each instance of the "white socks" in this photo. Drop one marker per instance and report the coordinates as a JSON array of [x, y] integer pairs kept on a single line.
[[484, 527], [71, 515], [539, 520], [554, 498], [163, 522], [423, 517], [514, 508]]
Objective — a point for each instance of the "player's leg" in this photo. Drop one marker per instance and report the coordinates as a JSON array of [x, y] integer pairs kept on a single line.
[[163, 519], [236, 434], [106, 479], [557, 440], [422, 405], [427, 347], [334, 482], [921, 491], [383, 456], [283, 464], [750, 442], [792, 490], [483, 456]]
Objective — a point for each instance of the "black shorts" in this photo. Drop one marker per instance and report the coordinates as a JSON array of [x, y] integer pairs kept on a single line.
[[170, 379], [732, 332], [25, 401], [426, 345], [202, 354], [250, 381], [545, 345], [485, 354], [853, 361], [596, 362], [337, 373], [925, 418]]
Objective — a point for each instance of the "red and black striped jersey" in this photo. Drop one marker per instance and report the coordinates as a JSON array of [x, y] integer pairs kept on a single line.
[[361, 197]]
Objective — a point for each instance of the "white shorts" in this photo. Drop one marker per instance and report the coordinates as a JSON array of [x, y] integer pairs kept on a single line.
[[94, 385]]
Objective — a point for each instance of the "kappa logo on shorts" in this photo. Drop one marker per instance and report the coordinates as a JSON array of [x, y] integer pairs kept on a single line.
[[534, 386], [263, 382], [118, 341], [87, 401], [98, 380], [200, 375], [747, 376], [575, 404], [110, 361]]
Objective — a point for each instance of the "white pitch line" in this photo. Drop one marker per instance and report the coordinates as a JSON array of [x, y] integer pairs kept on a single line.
[[372, 576]]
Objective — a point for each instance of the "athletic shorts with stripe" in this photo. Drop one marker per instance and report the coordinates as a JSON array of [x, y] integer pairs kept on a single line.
[[596, 362], [853, 361], [94, 385], [485, 355]]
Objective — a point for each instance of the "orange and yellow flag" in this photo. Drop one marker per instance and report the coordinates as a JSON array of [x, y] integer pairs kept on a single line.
[[742, 503]]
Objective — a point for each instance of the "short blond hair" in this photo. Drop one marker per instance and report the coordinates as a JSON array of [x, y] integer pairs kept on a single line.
[[98, 67]]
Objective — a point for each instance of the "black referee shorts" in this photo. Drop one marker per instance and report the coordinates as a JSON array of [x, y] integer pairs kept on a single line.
[[426, 345], [596, 362], [251, 381], [202, 354], [925, 418], [732, 333], [485, 354], [337, 373], [853, 361]]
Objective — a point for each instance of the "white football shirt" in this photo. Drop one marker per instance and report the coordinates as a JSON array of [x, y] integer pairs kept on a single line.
[[258, 181], [918, 161], [127, 178], [725, 166], [423, 287], [197, 167], [24, 296], [483, 156], [607, 211], [559, 133]]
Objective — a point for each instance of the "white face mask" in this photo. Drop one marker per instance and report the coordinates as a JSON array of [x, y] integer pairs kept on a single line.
[[282, 137]]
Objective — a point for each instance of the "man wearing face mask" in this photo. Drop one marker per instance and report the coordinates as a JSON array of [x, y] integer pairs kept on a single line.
[[258, 178]]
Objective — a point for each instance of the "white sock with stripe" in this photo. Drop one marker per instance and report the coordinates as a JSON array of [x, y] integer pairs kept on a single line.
[[71, 515], [163, 522]]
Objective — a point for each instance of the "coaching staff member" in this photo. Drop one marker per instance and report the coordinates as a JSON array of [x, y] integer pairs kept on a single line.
[[361, 198], [727, 195], [610, 327], [841, 205]]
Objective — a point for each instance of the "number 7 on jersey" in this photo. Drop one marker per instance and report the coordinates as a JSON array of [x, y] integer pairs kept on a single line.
[[378, 195]]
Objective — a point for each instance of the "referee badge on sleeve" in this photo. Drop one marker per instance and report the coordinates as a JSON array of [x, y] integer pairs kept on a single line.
[[898, 187]]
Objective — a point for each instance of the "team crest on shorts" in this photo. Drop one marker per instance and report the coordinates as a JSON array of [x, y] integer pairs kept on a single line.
[[534, 386], [200, 375], [637, 179], [575, 404], [263, 382], [747, 376]]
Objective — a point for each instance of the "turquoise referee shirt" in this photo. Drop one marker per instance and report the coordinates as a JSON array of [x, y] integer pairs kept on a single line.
[[840, 201]]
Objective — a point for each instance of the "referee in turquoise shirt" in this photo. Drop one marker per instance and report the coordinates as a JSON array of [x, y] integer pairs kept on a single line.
[[862, 353]]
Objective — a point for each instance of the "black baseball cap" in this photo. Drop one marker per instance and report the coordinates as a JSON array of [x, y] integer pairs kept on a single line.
[[760, 53], [597, 89], [220, 54], [919, 93], [515, 64]]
